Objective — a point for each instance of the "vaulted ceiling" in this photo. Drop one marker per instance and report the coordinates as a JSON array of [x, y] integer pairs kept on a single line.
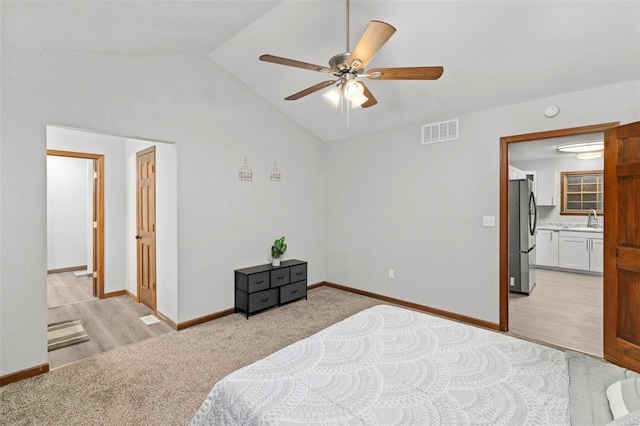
[[494, 53]]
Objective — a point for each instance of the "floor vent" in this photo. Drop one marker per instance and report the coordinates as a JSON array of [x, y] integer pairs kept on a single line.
[[440, 132]]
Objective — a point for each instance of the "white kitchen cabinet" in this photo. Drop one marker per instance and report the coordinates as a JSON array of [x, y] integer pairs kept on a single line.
[[581, 250], [514, 173], [596, 254], [546, 248], [573, 251], [546, 188]]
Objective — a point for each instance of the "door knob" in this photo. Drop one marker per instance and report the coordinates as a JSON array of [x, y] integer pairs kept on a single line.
[[138, 237]]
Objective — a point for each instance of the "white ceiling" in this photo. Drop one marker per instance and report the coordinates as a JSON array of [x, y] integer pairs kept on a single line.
[[543, 149], [494, 52]]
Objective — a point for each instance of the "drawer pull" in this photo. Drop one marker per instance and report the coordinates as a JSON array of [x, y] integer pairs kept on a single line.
[[294, 291], [299, 273], [280, 277], [259, 282], [264, 300]]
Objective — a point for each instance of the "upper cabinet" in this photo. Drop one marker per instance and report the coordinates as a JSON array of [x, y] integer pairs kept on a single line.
[[546, 188]]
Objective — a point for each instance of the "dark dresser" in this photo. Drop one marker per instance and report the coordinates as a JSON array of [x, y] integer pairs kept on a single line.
[[264, 286]]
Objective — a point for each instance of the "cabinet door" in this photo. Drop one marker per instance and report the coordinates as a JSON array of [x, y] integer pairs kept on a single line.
[[546, 248], [596, 254], [543, 247], [547, 185], [573, 253]]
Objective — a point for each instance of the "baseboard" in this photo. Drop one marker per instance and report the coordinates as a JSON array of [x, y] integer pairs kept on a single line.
[[67, 269], [167, 320], [115, 294], [132, 296], [435, 311], [215, 315], [24, 374], [316, 285], [206, 318]]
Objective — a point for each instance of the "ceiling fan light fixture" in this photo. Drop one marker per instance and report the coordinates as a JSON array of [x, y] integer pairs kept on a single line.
[[358, 101], [353, 90], [333, 96]]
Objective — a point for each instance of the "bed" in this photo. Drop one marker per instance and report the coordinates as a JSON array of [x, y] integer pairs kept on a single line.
[[392, 366]]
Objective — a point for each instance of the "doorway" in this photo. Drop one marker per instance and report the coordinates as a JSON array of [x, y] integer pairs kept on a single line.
[[115, 319], [565, 304], [96, 233], [505, 143]]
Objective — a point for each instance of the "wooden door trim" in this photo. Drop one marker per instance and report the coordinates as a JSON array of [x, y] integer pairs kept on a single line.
[[98, 246], [504, 202]]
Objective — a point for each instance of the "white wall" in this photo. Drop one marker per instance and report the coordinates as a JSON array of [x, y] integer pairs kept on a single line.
[[393, 203], [67, 206], [216, 122], [560, 164]]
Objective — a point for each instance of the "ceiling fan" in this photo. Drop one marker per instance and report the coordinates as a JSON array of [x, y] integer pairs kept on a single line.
[[348, 68]]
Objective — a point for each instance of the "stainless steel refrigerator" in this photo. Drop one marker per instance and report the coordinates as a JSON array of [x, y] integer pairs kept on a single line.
[[522, 236]]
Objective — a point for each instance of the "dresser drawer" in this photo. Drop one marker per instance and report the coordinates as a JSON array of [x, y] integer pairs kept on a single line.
[[263, 299], [250, 283], [279, 277], [293, 291], [298, 273]]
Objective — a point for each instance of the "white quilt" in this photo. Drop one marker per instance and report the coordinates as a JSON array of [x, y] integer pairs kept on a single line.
[[392, 366]]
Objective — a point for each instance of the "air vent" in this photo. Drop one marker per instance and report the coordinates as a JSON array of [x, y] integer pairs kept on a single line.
[[440, 132]]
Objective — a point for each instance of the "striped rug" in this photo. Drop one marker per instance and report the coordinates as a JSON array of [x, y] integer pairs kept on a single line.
[[65, 333]]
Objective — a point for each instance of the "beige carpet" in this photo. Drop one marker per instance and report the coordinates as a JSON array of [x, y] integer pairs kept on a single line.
[[163, 381]]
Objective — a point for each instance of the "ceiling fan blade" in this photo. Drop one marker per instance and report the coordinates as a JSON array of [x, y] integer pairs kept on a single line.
[[374, 37], [310, 90], [371, 100], [293, 63], [411, 73]]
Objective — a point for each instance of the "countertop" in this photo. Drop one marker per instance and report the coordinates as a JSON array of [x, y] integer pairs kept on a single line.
[[576, 227]]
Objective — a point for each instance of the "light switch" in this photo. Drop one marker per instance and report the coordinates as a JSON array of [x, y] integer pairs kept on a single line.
[[488, 221]]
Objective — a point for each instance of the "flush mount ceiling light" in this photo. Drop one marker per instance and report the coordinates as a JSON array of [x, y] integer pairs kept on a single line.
[[582, 147], [589, 155]]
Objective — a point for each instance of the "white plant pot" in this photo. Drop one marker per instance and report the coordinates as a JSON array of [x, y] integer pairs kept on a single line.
[[276, 261]]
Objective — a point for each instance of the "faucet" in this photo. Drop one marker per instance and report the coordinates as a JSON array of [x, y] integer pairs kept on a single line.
[[595, 219]]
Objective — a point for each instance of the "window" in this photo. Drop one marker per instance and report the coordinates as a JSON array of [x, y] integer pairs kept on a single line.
[[581, 192]]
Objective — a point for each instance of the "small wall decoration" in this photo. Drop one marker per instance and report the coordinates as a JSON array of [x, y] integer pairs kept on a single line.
[[276, 175], [246, 174]]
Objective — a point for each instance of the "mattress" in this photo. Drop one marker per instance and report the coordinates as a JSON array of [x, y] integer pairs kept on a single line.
[[392, 366]]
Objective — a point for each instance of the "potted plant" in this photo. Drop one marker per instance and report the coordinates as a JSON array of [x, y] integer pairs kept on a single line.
[[277, 250]]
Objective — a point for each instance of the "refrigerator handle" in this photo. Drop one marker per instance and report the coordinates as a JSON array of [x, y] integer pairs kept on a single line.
[[532, 206]]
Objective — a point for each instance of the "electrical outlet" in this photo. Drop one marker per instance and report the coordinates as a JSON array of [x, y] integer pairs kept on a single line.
[[488, 221], [392, 274]]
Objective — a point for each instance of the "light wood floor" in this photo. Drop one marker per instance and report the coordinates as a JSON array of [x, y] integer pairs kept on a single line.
[[110, 323], [564, 309], [64, 288]]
